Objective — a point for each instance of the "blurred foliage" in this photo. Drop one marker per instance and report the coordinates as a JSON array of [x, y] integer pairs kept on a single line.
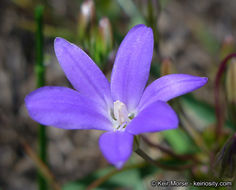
[[129, 178], [208, 40]]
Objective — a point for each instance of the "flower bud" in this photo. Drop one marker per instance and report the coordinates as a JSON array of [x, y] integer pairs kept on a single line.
[[231, 89], [105, 34], [231, 82], [226, 160], [166, 67], [228, 46], [86, 17]]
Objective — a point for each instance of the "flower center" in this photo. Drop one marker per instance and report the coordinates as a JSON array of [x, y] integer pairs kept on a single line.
[[121, 117]]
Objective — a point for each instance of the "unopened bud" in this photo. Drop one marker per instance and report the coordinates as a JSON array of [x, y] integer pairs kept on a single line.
[[231, 90], [86, 17], [166, 67], [105, 34], [228, 46], [88, 9], [226, 161], [231, 82]]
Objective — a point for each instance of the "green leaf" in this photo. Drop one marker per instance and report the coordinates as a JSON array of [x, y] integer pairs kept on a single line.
[[200, 112], [179, 141]]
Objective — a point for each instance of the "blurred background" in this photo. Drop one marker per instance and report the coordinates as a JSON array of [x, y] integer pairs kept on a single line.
[[191, 36]]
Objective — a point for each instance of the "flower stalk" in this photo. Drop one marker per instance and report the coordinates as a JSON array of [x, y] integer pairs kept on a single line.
[[184, 157], [158, 164], [40, 165], [40, 77]]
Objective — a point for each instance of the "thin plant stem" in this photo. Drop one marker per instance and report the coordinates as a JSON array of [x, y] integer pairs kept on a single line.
[[158, 164], [40, 75], [169, 151], [152, 21], [101, 180], [189, 128], [218, 104], [148, 160], [40, 165]]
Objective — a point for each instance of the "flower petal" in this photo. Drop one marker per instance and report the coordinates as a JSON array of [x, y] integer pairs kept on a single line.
[[132, 65], [116, 147], [170, 86], [156, 117], [65, 108], [82, 72]]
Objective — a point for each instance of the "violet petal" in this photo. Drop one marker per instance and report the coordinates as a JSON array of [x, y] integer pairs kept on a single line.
[[116, 147], [170, 86], [65, 108], [156, 117], [82, 72], [132, 64]]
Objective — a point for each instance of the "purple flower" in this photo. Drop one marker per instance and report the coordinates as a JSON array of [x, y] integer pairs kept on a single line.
[[122, 107]]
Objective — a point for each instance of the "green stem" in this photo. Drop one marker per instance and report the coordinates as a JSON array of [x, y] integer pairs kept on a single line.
[[152, 20], [40, 75]]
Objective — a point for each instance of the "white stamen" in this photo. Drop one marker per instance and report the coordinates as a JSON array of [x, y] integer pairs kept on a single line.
[[120, 114]]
